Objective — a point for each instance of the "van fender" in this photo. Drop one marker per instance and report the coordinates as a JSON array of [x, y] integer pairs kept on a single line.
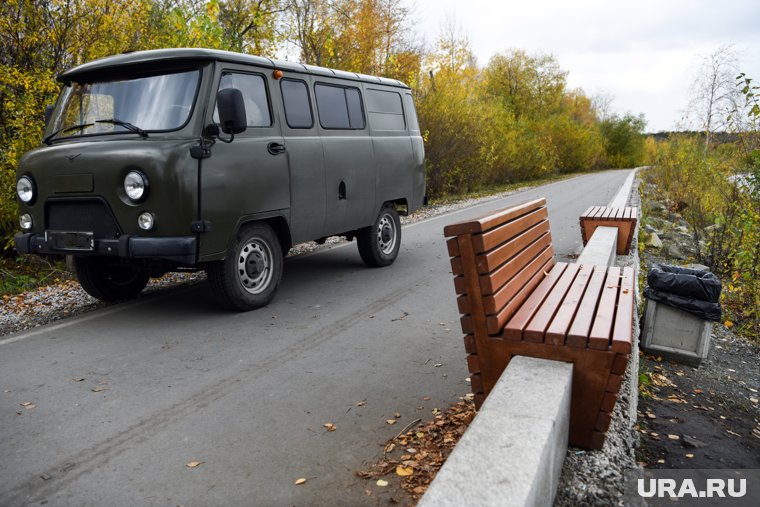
[[277, 220]]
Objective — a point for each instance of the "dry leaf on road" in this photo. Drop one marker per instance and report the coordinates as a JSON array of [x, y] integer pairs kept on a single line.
[[194, 464], [300, 481], [404, 471], [330, 426]]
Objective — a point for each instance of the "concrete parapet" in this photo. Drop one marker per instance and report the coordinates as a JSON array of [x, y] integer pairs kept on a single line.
[[513, 451], [600, 249]]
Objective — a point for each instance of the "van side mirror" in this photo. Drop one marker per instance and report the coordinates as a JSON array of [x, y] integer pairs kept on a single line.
[[48, 113], [231, 107]]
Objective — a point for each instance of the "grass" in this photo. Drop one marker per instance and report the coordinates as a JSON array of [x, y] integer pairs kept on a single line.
[[26, 272]]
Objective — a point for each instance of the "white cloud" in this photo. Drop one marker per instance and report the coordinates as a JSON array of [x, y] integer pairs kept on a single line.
[[643, 53]]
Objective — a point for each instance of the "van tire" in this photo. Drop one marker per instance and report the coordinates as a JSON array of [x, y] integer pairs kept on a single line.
[[109, 281], [379, 243], [248, 278]]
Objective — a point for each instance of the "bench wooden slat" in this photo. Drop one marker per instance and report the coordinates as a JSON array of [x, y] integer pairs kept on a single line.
[[536, 227], [491, 260], [622, 334], [513, 330], [536, 329], [495, 323], [495, 302], [490, 283], [453, 247], [486, 223], [478, 318], [577, 336], [605, 314], [557, 330], [491, 239]]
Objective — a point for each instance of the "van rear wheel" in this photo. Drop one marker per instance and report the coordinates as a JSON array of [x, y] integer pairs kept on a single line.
[[379, 243], [248, 278], [109, 281]]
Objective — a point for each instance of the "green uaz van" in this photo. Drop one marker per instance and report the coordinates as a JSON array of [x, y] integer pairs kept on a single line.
[[180, 159]]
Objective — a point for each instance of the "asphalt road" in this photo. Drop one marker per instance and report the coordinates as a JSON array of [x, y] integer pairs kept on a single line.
[[125, 397]]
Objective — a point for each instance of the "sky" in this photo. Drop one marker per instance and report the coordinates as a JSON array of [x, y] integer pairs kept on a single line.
[[644, 54]]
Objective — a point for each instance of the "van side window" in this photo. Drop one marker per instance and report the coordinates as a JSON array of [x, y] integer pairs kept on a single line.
[[385, 110], [295, 98], [339, 107], [411, 113], [254, 92]]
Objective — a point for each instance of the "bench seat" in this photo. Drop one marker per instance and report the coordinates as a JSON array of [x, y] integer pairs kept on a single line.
[[624, 219], [515, 300]]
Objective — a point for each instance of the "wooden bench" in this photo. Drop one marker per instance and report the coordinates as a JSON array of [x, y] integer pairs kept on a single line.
[[623, 218], [515, 300]]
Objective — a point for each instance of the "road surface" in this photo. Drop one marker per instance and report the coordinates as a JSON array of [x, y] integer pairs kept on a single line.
[[124, 398]]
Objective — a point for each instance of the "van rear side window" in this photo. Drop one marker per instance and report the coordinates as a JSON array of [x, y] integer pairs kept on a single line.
[[295, 98], [339, 107], [254, 93], [385, 110], [411, 113]]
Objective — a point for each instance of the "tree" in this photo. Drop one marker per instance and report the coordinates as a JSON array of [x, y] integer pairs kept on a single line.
[[714, 94]]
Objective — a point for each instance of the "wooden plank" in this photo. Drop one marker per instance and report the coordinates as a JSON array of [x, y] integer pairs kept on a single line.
[[603, 421], [622, 332], [482, 243], [513, 330], [452, 245], [472, 363], [560, 324], [599, 212], [460, 285], [488, 222], [463, 304], [599, 338], [536, 328], [577, 335], [607, 213], [492, 282], [456, 266], [476, 383], [620, 364], [472, 282], [495, 302], [469, 344], [613, 383], [495, 323], [608, 402], [492, 259]]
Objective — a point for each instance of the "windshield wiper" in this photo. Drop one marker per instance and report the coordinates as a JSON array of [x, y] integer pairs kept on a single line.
[[49, 138], [126, 125]]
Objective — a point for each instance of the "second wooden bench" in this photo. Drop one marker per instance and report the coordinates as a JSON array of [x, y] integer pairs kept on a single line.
[[516, 300]]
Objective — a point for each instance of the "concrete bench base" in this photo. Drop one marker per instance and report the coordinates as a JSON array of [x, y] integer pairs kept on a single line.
[[513, 451]]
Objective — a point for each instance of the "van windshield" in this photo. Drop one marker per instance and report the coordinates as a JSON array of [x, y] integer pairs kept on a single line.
[[142, 104]]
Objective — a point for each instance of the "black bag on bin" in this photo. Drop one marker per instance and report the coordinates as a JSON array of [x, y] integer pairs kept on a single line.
[[690, 290]]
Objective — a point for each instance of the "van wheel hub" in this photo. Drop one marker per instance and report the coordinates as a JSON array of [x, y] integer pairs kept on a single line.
[[255, 266], [386, 234]]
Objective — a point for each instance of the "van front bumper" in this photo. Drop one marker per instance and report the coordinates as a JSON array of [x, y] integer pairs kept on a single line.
[[180, 249]]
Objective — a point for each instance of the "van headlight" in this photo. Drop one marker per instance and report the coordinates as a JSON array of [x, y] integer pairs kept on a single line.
[[136, 185], [25, 189], [25, 221], [146, 221]]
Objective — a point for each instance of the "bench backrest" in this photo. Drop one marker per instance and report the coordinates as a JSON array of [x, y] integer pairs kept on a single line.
[[497, 261]]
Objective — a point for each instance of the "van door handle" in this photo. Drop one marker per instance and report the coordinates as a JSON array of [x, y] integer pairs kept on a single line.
[[275, 148]]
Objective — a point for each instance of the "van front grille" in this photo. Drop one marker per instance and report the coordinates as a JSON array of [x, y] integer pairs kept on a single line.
[[86, 215]]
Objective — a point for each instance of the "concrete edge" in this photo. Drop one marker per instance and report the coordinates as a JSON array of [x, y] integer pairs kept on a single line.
[[513, 452]]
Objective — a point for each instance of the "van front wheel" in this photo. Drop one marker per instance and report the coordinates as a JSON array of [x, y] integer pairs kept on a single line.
[[109, 281], [379, 244], [248, 278]]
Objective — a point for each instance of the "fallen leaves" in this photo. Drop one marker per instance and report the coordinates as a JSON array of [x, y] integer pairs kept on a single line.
[[27, 405], [382, 483], [300, 481], [390, 422], [416, 454], [330, 426], [97, 389], [194, 464]]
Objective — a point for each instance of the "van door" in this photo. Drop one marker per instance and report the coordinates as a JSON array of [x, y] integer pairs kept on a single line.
[[307, 169], [350, 174], [247, 178]]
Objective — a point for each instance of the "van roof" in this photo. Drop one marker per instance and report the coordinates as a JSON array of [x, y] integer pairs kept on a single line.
[[180, 55]]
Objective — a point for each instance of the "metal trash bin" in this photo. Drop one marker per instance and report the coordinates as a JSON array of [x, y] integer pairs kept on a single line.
[[681, 305]]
